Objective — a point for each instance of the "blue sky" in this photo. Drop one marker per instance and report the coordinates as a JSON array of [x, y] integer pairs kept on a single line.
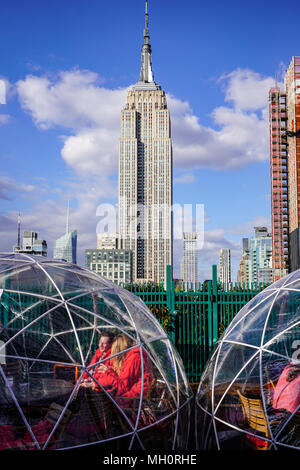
[[67, 65]]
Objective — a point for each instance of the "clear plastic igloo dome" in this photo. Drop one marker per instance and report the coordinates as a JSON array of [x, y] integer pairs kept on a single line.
[[249, 394], [84, 362]]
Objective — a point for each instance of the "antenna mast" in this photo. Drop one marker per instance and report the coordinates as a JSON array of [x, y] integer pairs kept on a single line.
[[19, 230], [67, 222]]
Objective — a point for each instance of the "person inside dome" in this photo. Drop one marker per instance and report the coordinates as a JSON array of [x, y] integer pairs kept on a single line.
[[103, 352], [123, 374]]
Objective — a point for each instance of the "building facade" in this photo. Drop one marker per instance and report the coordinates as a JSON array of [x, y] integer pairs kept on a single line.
[[107, 241], [292, 90], [225, 265], [189, 264], [285, 171], [113, 264], [243, 273], [279, 182], [145, 175], [244, 264], [256, 260], [31, 244], [260, 256], [65, 248]]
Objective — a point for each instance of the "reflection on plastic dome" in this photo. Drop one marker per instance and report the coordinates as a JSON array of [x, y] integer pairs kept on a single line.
[[83, 362], [249, 394]]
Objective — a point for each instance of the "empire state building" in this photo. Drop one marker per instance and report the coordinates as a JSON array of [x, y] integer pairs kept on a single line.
[[145, 174]]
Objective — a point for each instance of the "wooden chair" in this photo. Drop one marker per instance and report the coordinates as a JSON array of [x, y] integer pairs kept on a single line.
[[68, 372], [255, 416]]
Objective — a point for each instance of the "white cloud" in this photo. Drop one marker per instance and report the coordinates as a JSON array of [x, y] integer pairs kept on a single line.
[[72, 99], [92, 151], [9, 186], [185, 179], [78, 102], [246, 229], [4, 119], [246, 89], [75, 101], [240, 132]]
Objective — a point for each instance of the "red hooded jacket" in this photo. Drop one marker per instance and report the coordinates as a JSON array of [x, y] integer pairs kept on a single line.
[[287, 394], [98, 356], [129, 382]]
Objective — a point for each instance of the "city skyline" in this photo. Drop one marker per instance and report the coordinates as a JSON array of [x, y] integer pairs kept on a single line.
[[65, 150]]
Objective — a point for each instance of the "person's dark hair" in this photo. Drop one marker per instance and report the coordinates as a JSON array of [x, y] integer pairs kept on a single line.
[[109, 335], [293, 372]]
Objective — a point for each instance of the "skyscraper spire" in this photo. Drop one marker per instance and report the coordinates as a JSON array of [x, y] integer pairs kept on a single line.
[[146, 30], [146, 80]]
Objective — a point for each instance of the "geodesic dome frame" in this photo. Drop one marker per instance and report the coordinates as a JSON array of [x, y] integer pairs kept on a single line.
[[51, 317], [237, 402]]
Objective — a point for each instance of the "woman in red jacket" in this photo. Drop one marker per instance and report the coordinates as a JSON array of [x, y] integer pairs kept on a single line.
[[124, 374]]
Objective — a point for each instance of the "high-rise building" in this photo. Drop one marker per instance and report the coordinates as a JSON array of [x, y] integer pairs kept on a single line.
[[189, 264], [260, 256], [113, 264], [65, 247], [108, 260], [292, 90], [243, 275], [256, 260], [145, 175], [285, 171], [31, 244], [245, 244], [279, 182], [225, 265]]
